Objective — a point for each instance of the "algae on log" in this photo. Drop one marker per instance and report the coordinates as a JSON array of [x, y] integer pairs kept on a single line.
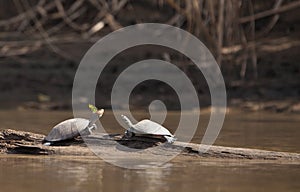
[[20, 142]]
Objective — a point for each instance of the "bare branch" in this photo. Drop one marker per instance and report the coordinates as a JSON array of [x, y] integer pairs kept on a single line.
[[267, 13]]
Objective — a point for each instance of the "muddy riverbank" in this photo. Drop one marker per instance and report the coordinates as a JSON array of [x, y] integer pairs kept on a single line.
[[46, 83]]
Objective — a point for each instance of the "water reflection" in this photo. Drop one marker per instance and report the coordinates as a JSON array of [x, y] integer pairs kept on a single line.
[[29, 173]]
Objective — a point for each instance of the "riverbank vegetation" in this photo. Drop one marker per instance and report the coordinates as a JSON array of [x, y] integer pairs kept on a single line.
[[256, 43]]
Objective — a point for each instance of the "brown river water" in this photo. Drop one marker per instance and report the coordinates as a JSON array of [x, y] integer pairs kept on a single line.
[[262, 130]]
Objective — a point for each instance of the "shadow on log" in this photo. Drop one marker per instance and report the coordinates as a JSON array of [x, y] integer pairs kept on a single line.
[[19, 142]]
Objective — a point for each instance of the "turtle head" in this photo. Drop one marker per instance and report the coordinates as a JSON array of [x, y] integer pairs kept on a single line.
[[95, 110], [100, 112], [127, 121], [95, 116]]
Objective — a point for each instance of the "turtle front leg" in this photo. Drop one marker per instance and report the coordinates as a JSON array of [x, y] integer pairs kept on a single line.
[[88, 130], [129, 133], [170, 139]]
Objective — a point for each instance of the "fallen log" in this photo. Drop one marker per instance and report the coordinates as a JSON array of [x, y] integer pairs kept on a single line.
[[20, 142]]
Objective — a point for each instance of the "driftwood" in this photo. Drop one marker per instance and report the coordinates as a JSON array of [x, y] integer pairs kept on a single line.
[[19, 142]]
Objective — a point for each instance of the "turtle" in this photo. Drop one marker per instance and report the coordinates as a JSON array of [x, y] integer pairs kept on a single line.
[[147, 127], [71, 128]]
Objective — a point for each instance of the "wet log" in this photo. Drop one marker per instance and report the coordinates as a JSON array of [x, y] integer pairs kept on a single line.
[[20, 142]]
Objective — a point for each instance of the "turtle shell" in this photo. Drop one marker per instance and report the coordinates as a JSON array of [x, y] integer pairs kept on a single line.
[[67, 129], [150, 127]]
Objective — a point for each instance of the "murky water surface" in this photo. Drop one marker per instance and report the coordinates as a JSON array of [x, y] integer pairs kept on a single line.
[[280, 132]]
